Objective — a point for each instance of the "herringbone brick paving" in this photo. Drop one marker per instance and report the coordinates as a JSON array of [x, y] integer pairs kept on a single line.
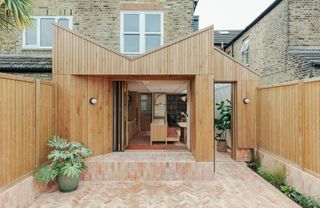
[[234, 185]]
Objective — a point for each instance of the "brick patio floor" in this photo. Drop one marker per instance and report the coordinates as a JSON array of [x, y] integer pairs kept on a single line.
[[234, 185]]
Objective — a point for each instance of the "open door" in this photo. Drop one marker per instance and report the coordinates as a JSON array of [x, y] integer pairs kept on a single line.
[[224, 114], [120, 116]]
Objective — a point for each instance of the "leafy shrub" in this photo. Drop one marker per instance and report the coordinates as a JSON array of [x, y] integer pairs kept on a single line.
[[301, 199], [290, 192], [66, 158], [276, 176]]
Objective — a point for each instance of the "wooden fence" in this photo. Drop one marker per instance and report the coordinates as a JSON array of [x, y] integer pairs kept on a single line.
[[27, 119], [288, 123]]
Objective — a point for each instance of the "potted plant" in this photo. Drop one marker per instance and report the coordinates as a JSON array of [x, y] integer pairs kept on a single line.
[[222, 124], [66, 164]]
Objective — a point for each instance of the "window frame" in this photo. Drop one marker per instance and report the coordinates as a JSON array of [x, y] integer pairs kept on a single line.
[[149, 99], [142, 30], [245, 52], [38, 19]]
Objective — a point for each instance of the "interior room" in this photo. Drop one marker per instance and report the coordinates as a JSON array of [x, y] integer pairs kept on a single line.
[[157, 115]]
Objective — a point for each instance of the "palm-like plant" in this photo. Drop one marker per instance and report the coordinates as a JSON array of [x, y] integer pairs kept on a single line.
[[14, 14], [67, 158], [223, 121]]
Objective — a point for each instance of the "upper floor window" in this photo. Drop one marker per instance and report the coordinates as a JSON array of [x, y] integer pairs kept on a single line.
[[245, 51], [141, 31], [39, 35]]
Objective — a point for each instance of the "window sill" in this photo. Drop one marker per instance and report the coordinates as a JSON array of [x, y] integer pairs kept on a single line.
[[36, 49]]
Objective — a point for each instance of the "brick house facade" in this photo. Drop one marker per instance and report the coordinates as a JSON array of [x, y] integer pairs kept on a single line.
[[99, 20], [284, 41]]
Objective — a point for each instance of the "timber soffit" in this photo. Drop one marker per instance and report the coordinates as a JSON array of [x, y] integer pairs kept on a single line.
[[141, 55]]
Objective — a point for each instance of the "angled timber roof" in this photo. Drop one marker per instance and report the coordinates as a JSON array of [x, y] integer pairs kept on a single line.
[[194, 54]]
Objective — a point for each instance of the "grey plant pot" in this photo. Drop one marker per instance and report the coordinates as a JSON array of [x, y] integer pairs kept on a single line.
[[67, 184]]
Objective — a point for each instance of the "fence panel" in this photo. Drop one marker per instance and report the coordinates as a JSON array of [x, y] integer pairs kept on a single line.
[[18, 127], [312, 127], [278, 121], [288, 123]]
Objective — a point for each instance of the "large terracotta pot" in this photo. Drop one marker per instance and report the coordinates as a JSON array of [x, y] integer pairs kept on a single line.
[[222, 146], [67, 184]]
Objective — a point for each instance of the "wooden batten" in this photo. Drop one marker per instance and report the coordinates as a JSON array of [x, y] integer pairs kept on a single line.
[[83, 68]]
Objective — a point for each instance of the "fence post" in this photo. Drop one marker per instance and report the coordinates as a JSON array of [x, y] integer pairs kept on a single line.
[[37, 116], [55, 108], [301, 123]]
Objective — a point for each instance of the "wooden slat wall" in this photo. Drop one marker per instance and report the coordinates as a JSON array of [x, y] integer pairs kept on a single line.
[[78, 119], [226, 69], [289, 123], [18, 129], [76, 56], [202, 117]]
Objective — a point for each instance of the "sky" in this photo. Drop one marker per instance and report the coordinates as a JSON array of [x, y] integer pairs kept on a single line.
[[229, 14]]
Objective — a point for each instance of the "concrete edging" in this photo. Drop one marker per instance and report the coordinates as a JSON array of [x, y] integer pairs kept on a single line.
[[301, 180]]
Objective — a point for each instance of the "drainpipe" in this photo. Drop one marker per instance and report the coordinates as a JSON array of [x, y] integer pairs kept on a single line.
[[232, 49]]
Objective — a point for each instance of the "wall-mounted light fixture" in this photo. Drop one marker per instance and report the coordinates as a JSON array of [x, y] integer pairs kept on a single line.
[[93, 101], [246, 100]]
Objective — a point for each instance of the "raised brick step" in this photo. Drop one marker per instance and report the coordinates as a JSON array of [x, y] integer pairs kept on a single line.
[[147, 166]]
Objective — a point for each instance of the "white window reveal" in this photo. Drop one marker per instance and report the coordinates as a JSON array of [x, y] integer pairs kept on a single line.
[[141, 31], [39, 35], [245, 51]]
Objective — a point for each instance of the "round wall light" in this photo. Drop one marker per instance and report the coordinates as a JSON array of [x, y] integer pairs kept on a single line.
[[93, 101], [246, 100]]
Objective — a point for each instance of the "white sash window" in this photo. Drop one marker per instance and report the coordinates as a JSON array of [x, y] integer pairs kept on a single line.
[[39, 35], [141, 31]]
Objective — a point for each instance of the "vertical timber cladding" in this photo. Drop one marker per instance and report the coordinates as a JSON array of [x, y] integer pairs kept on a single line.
[[228, 70], [77, 118], [202, 125], [82, 67]]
